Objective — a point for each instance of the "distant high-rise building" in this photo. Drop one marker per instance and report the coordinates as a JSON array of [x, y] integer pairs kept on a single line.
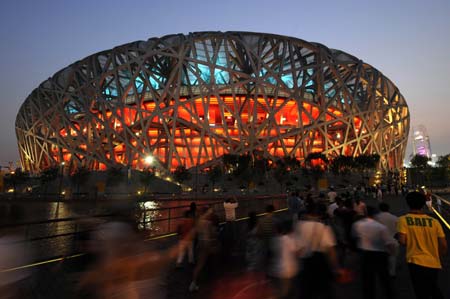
[[421, 142]]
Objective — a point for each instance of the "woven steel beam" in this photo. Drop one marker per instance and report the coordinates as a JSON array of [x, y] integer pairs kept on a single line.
[[189, 99]]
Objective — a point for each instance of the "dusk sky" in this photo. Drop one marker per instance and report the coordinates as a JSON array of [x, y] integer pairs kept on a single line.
[[407, 40]]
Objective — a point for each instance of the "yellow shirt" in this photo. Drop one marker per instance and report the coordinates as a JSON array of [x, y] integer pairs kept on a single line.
[[422, 233]]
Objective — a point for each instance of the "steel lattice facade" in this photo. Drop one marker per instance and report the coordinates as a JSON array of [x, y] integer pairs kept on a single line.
[[189, 99]]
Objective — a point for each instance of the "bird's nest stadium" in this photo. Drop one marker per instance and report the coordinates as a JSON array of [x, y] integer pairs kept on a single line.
[[189, 99]]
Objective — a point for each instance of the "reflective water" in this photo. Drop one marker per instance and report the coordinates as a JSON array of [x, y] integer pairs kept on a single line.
[[45, 239]]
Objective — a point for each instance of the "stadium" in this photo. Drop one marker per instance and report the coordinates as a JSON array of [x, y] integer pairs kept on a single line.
[[186, 100]]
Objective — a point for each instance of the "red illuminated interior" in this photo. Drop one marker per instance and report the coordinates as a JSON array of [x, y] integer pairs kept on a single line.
[[223, 119]]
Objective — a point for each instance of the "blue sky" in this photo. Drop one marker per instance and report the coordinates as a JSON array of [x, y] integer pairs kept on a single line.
[[409, 41]]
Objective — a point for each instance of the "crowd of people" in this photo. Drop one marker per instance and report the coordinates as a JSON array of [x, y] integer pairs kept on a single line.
[[306, 252], [342, 223], [300, 254]]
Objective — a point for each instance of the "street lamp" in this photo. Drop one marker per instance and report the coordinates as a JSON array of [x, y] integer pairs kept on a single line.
[[149, 160], [61, 173]]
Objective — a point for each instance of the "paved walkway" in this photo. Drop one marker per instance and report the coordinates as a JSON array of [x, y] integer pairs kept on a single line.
[[234, 282], [222, 280]]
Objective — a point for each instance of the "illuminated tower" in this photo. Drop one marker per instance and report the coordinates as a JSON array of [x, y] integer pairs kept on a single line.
[[421, 142]]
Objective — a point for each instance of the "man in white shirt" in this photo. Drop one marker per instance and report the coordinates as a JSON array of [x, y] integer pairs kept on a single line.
[[360, 207], [230, 206], [375, 244], [387, 218], [390, 221], [332, 194], [333, 206], [284, 260], [312, 237]]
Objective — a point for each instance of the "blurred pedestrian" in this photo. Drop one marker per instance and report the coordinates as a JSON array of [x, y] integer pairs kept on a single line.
[[229, 233], [284, 264], [360, 207], [316, 244], [185, 243], [294, 203], [375, 244], [390, 221], [193, 209], [332, 194], [428, 199], [254, 245], [379, 193], [346, 215], [208, 244], [13, 253], [112, 276], [266, 230], [333, 206]]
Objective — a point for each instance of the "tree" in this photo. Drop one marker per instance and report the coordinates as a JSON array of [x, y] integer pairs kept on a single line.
[[79, 177], [114, 175], [342, 164], [260, 169], [364, 163], [145, 177], [16, 178], [291, 163], [420, 161], [443, 164], [318, 157], [281, 173], [243, 164], [444, 161], [48, 175], [181, 174], [230, 162], [214, 174]]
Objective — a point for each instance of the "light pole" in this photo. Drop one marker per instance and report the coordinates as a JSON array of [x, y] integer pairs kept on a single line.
[[196, 181], [61, 174], [148, 161]]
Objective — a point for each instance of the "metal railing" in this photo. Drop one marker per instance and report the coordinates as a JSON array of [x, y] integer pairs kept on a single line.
[[441, 207], [57, 237]]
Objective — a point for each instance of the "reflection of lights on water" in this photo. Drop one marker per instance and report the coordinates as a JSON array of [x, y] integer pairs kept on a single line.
[[60, 210], [147, 215], [150, 205]]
